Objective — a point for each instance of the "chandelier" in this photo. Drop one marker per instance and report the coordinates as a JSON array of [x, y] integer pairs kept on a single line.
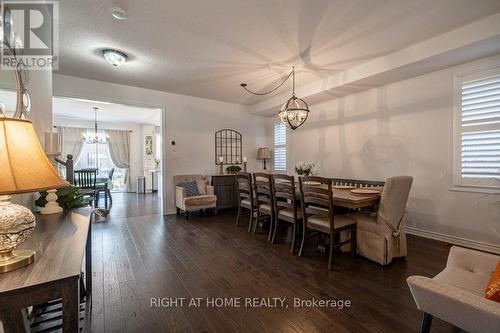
[[294, 111], [96, 137]]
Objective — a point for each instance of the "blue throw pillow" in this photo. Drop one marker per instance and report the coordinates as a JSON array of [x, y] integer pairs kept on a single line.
[[191, 188]]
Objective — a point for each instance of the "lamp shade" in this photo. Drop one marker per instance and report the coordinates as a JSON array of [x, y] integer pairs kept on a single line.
[[263, 154], [23, 164]]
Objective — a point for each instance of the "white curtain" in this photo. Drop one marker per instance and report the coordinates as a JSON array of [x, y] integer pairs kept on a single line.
[[71, 142], [119, 149]]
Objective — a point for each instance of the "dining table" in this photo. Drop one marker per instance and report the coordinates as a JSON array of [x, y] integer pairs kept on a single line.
[[345, 198]]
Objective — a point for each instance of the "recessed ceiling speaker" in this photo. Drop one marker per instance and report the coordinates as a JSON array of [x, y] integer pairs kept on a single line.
[[119, 13]]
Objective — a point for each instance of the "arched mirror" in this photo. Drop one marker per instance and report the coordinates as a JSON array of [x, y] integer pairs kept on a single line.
[[228, 147]]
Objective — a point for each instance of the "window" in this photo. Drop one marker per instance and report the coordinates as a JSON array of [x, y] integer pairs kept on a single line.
[[87, 159], [477, 130], [279, 147]]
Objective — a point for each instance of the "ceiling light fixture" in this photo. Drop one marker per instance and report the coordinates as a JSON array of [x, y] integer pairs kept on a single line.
[[295, 110], [114, 57], [119, 13]]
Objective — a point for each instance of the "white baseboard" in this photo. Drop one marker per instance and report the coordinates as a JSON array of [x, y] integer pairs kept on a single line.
[[473, 244], [170, 211]]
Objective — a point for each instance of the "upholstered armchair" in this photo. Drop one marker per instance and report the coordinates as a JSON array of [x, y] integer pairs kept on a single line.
[[380, 236], [205, 200], [456, 295]]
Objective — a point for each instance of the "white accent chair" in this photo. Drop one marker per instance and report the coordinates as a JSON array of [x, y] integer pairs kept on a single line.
[[380, 236], [206, 199], [456, 295]]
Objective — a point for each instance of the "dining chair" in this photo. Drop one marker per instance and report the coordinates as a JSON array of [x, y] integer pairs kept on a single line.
[[106, 188], [285, 205], [381, 236], [85, 181], [264, 200], [318, 215], [245, 197]]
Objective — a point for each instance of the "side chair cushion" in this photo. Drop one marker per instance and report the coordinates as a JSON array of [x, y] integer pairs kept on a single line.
[[265, 208], [191, 188], [246, 203], [288, 212], [474, 282], [202, 186], [200, 200], [323, 222]]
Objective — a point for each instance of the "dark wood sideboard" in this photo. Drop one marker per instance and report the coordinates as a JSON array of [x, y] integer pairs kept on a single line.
[[61, 242], [226, 190]]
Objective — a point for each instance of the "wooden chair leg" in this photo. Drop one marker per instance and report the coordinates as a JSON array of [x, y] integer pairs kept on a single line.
[[178, 212], [271, 228], [425, 324], [275, 229], [294, 235], [187, 215], [110, 199], [238, 216], [330, 251], [250, 223], [353, 240], [302, 240], [256, 224]]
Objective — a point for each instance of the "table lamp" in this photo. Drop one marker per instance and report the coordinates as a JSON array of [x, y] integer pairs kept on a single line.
[[24, 168], [263, 154]]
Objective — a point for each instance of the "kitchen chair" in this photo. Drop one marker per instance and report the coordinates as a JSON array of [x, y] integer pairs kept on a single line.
[[245, 197], [285, 205], [264, 199], [318, 215], [106, 189], [85, 181]]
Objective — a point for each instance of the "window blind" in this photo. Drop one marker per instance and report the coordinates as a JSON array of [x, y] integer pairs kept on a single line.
[[279, 147], [480, 125]]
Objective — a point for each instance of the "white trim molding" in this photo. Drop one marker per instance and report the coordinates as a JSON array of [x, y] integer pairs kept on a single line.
[[473, 244]]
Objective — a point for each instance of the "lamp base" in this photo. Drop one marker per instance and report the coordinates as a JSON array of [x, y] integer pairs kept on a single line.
[[12, 260], [51, 207]]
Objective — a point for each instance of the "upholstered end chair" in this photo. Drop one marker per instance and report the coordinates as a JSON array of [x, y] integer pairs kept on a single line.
[[380, 236], [456, 295], [187, 204]]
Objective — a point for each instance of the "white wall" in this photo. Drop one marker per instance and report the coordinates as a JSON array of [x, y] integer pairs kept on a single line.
[[135, 140], [403, 128], [190, 121]]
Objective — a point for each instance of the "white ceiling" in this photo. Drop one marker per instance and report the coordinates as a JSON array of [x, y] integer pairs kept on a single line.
[[81, 110], [78, 109], [207, 48]]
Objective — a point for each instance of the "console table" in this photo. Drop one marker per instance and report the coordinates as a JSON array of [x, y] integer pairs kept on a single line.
[[226, 190], [61, 242]]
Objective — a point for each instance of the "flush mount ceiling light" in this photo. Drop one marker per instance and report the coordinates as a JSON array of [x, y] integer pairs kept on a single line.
[[295, 110], [119, 13], [114, 57]]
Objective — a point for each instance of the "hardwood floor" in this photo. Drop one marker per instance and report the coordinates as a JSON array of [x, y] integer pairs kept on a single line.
[[139, 254]]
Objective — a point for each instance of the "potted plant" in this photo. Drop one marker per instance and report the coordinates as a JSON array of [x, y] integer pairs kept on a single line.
[[67, 198], [233, 169], [306, 169]]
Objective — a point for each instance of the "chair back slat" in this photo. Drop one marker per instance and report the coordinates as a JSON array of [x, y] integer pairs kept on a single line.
[[245, 187], [263, 188], [316, 197], [284, 192], [86, 178]]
